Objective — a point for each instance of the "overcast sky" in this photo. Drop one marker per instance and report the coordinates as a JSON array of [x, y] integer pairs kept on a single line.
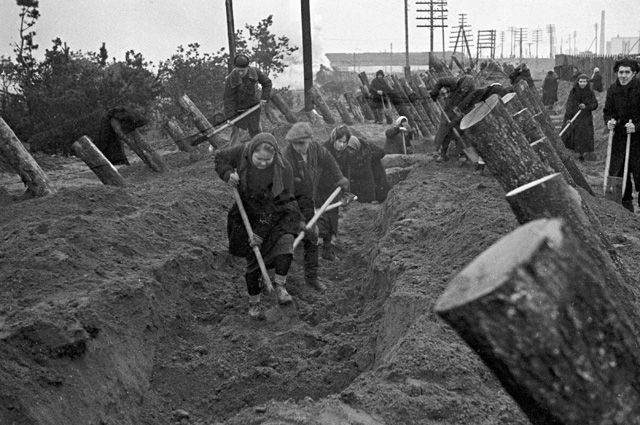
[[156, 27]]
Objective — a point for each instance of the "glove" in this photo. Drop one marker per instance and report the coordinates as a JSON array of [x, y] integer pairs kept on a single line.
[[380, 92], [255, 240], [234, 179], [611, 124], [582, 106], [631, 128], [311, 234], [343, 183]]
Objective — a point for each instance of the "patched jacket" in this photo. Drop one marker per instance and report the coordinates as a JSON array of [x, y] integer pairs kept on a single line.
[[240, 91]]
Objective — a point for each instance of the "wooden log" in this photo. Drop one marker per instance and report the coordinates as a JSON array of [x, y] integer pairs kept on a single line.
[[137, 144], [364, 80], [529, 126], [550, 158], [534, 308], [175, 131], [354, 107], [501, 144], [97, 162], [367, 112], [321, 105], [403, 104], [202, 123], [18, 158], [343, 112], [433, 113], [552, 136], [416, 101], [512, 103], [282, 106]]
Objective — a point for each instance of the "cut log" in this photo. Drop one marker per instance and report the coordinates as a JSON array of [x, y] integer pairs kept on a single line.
[[512, 103], [550, 158], [433, 113], [416, 100], [354, 108], [402, 96], [367, 112], [137, 144], [202, 123], [501, 144], [16, 156], [343, 112], [321, 105], [97, 162], [283, 108], [175, 131], [534, 308]]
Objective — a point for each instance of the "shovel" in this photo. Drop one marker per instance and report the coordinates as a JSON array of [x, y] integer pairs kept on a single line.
[[315, 217], [348, 199], [387, 112], [468, 150], [256, 250], [566, 127]]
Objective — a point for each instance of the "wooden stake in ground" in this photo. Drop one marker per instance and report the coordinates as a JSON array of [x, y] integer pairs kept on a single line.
[[343, 112], [201, 122], [176, 133], [16, 156], [137, 144], [97, 162], [354, 107], [279, 103], [321, 105], [534, 308]]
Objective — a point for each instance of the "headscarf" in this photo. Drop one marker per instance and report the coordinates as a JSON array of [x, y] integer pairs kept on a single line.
[[354, 143], [340, 132], [278, 162], [379, 72], [400, 119]]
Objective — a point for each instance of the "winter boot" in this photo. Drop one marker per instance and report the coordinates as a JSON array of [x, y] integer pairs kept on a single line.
[[628, 204], [282, 295], [315, 284], [328, 251], [255, 310]]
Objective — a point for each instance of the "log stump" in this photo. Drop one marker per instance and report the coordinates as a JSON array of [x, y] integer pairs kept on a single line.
[[175, 131], [550, 158], [321, 105], [512, 103], [18, 158], [282, 106], [534, 308], [97, 162], [354, 107], [140, 146], [501, 144], [343, 112], [367, 112], [202, 123]]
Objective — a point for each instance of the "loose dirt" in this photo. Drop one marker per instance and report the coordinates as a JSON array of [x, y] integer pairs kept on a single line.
[[122, 305]]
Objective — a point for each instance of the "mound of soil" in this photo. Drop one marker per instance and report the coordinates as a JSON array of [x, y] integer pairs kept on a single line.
[[123, 306]]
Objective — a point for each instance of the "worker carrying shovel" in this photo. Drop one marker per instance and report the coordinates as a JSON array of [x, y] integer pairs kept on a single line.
[[240, 95], [622, 114], [267, 215], [311, 163]]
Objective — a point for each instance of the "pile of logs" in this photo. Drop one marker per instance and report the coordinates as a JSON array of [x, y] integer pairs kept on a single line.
[[550, 307]]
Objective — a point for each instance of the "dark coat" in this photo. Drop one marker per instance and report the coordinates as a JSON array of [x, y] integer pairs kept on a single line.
[[461, 92], [596, 82], [240, 94], [271, 215], [579, 137], [108, 142], [367, 177], [519, 74], [393, 142], [623, 104], [320, 168], [549, 90], [379, 84]]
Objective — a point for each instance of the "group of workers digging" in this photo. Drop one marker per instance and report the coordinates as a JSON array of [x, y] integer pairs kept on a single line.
[[278, 193]]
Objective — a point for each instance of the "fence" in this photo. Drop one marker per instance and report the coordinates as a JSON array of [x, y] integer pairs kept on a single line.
[[565, 65]]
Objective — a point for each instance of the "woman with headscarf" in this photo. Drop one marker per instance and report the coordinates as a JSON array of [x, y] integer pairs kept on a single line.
[[596, 80], [550, 90], [581, 98], [399, 137], [265, 183]]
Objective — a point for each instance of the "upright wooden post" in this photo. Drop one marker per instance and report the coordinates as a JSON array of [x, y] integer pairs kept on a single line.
[[321, 105], [97, 162], [307, 58], [140, 147], [231, 33], [535, 309], [17, 157], [201, 122], [283, 108]]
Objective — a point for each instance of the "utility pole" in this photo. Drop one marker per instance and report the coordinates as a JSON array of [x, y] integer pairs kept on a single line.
[[407, 66], [231, 33], [602, 52], [551, 30], [307, 61], [537, 37], [436, 10], [522, 36], [501, 44]]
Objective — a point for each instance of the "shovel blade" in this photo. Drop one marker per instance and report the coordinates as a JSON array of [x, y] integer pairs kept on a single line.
[[613, 190]]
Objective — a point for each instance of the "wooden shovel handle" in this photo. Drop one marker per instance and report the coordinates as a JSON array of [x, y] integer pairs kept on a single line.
[[256, 250], [625, 175], [607, 162], [316, 216]]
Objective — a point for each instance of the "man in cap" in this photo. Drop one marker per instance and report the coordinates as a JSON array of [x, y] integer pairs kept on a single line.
[[311, 163], [379, 89], [240, 95], [622, 114]]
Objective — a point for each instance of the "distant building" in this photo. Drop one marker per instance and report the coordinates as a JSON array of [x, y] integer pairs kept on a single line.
[[623, 46], [370, 62]]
